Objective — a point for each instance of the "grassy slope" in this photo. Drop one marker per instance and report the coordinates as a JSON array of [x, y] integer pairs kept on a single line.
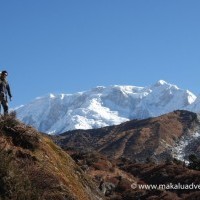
[[33, 167]]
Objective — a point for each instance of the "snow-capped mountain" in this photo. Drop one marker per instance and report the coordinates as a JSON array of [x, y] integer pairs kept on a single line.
[[195, 106], [103, 106]]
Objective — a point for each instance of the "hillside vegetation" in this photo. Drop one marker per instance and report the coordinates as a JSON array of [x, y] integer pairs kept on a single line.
[[33, 167]]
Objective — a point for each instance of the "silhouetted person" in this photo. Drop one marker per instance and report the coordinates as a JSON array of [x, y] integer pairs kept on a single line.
[[4, 91]]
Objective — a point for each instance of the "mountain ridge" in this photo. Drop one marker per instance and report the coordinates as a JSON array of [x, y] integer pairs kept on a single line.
[[169, 136], [104, 106]]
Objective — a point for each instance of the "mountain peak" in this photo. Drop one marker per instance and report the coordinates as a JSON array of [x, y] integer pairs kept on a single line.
[[103, 106], [161, 82], [51, 96], [165, 85]]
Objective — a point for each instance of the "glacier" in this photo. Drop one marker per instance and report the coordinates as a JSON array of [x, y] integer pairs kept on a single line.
[[104, 106]]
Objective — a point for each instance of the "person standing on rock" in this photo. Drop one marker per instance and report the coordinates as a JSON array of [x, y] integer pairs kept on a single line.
[[4, 91]]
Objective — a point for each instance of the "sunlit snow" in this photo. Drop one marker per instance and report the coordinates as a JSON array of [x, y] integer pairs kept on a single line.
[[179, 151], [104, 106]]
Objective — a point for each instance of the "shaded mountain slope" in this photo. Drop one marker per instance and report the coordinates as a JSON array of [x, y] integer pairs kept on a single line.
[[159, 138], [124, 179], [169, 181], [33, 167]]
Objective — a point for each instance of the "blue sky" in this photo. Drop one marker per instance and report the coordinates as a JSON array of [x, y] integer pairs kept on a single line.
[[67, 46]]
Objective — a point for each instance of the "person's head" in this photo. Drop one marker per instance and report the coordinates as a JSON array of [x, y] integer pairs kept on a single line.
[[4, 74]]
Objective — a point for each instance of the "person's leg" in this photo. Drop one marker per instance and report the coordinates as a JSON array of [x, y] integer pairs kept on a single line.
[[1, 99], [5, 107]]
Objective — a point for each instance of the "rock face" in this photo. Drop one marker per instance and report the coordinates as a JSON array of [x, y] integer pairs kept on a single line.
[[173, 135], [104, 106], [33, 167]]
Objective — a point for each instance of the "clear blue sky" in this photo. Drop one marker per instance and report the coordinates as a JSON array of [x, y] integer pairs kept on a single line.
[[67, 46]]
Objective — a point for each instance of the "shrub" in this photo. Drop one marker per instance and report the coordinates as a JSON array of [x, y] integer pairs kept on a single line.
[[194, 162]]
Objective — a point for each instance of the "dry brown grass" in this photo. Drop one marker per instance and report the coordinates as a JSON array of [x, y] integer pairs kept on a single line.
[[33, 167]]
